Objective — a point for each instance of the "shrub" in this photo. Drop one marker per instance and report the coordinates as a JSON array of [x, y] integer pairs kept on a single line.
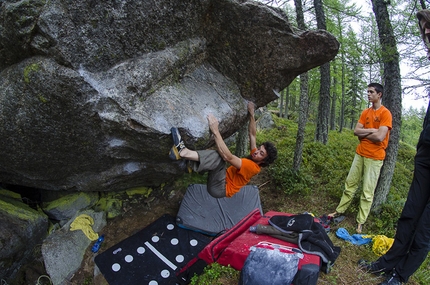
[[216, 274]]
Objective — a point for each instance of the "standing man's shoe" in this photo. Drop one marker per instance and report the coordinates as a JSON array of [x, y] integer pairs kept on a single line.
[[370, 267], [392, 280]]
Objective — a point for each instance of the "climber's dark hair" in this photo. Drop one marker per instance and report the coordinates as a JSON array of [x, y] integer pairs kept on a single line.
[[272, 154]]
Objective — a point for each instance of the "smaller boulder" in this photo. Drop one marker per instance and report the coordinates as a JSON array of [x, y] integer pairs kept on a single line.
[[64, 250], [66, 207], [265, 121], [21, 229]]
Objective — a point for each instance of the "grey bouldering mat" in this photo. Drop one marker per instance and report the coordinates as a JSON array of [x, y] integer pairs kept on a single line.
[[201, 212]]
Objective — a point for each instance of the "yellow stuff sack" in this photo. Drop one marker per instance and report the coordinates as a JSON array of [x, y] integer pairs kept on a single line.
[[381, 244]]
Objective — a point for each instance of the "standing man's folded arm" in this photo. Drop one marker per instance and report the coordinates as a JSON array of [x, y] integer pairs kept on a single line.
[[375, 135]]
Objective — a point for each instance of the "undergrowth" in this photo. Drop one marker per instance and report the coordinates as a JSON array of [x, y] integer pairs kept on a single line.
[[216, 274], [324, 169], [319, 185]]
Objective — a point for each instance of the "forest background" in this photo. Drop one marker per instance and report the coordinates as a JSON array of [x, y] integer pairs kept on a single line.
[[379, 42], [314, 118], [373, 47]]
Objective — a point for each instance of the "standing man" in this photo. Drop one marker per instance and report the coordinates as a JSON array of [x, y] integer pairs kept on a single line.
[[373, 130], [412, 241], [224, 182]]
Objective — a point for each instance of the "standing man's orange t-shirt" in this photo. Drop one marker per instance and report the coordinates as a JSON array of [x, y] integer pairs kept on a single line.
[[374, 119]]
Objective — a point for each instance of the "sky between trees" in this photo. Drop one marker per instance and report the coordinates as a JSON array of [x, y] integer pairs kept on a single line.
[[409, 100], [413, 64]]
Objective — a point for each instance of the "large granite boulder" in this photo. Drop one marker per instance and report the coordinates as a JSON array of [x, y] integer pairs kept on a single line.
[[89, 90], [22, 228]]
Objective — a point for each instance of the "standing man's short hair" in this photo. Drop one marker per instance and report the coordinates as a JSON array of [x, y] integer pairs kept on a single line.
[[378, 87]]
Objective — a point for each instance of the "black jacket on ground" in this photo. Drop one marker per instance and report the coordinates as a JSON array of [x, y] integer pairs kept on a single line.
[[312, 237]]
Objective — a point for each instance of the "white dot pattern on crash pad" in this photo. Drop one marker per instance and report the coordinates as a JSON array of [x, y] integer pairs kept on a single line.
[[165, 273], [170, 227], [170, 244], [116, 267], [174, 241], [180, 258], [128, 258]]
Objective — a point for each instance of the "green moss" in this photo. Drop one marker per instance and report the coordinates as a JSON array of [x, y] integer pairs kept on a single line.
[[110, 205], [144, 191], [42, 99], [53, 227], [94, 23], [158, 45], [11, 194], [176, 75], [65, 201], [30, 68], [19, 210]]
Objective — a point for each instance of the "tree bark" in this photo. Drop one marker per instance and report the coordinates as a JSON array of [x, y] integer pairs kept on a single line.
[[242, 141], [333, 103], [392, 98], [303, 115], [303, 102], [281, 105], [287, 100], [342, 103], [342, 62], [321, 134]]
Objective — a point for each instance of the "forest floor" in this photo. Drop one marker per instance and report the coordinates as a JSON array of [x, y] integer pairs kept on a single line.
[[139, 214]]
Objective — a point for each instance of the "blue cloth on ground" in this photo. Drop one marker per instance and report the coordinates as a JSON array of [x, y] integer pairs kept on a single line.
[[357, 239]]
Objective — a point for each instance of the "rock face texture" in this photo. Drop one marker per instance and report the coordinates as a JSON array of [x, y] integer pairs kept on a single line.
[[21, 230], [64, 250], [90, 89]]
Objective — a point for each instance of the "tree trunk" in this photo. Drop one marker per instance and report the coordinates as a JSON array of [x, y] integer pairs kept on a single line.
[[303, 117], [354, 115], [392, 98], [303, 102], [321, 134], [342, 101], [342, 62], [333, 103], [242, 141], [281, 105], [292, 105]]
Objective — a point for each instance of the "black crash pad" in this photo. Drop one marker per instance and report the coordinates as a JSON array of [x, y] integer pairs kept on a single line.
[[152, 256]]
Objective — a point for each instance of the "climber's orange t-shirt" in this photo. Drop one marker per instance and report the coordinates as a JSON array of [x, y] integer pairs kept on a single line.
[[374, 119], [237, 178]]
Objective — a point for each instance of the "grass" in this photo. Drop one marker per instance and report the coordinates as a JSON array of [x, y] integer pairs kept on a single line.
[[317, 188], [216, 274]]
